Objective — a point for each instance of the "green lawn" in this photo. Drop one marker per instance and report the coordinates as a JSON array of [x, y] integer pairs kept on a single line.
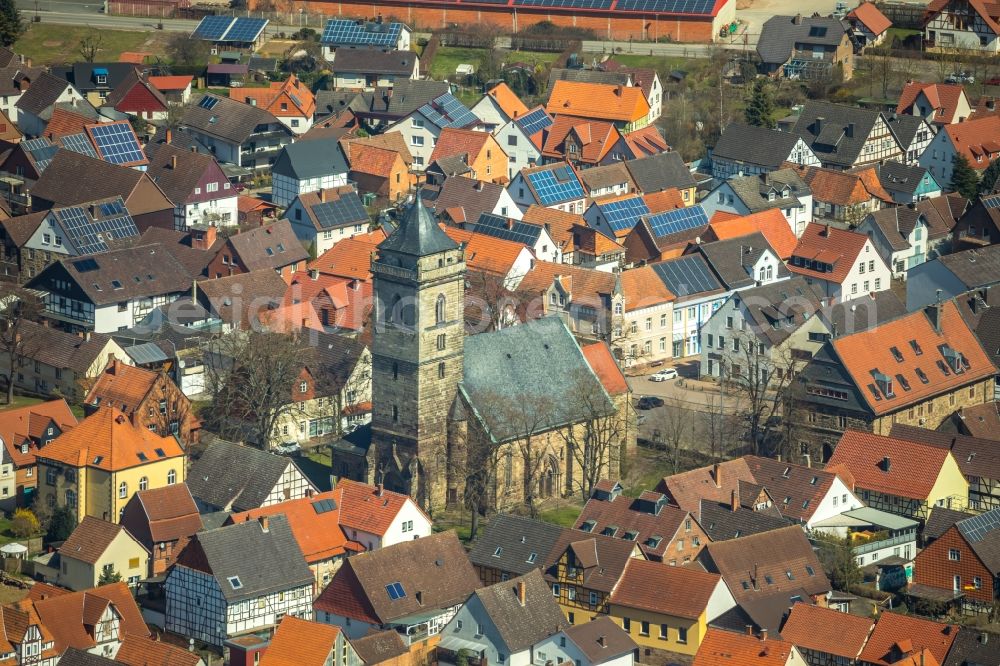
[[448, 58], [19, 401], [5, 534], [49, 44], [900, 34], [564, 515], [659, 63]]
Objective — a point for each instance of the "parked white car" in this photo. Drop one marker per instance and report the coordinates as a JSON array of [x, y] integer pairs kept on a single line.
[[663, 375]]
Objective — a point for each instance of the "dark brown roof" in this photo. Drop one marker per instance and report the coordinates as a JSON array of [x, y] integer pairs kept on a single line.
[[90, 539], [231, 297], [601, 640], [272, 246], [59, 349], [522, 625], [171, 512], [975, 456], [131, 80], [941, 520], [178, 244], [803, 487], [603, 559], [19, 229], [179, 184], [651, 519], [72, 178], [379, 647], [228, 119], [43, 93]]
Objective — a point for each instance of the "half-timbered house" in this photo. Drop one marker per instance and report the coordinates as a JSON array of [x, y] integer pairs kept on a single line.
[[962, 24], [843, 137]]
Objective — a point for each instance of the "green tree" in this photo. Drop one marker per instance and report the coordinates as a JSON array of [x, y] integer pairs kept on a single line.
[[963, 177], [24, 524], [109, 575], [837, 557], [989, 179], [61, 524], [760, 107], [11, 25]]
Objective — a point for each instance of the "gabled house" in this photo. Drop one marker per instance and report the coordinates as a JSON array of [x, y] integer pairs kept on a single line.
[[742, 263], [237, 579], [307, 166], [136, 96], [34, 107], [197, 186], [274, 246], [232, 477], [96, 80], [16, 76], [380, 165], [422, 127], [27, 640], [937, 103], [323, 303], [908, 639], [663, 532], [599, 642], [499, 106], [843, 264], [698, 294], [805, 47], [770, 223], [414, 588], [913, 134], [290, 101], [535, 237], [900, 237], [663, 172], [140, 651], [470, 153], [900, 476], [844, 196], [583, 142], [322, 219], [727, 647], [371, 68], [844, 137], [162, 520], [624, 106], [667, 235], [824, 635], [644, 142], [97, 549], [962, 24], [976, 139], [175, 89], [908, 184], [236, 133], [759, 569], [348, 34], [668, 608], [615, 218], [502, 623], [522, 139], [149, 399], [916, 369], [24, 431], [964, 562], [608, 181], [96, 467], [300, 642], [869, 26], [783, 189], [387, 106], [744, 150], [554, 185], [510, 546], [464, 200]]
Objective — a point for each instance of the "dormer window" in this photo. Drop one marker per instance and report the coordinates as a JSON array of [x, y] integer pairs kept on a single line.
[[884, 383]]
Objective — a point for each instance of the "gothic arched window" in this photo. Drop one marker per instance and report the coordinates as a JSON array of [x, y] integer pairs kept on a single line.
[[439, 308]]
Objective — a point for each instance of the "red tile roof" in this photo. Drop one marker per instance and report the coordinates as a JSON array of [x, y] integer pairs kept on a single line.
[[603, 364], [987, 11], [367, 508], [664, 200], [64, 122], [643, 288], [486, 253], [595, 139], [843, 188], [913, 467], [171, 512], [626, 514], [826, 630], [646, 141], [727, 648], [90, 540], [121, 386], [19, 424], [349, 299], [870, 16], [454, 142], [943, 97], [508, 102], [170, 83], [297, 98], [598, 101], [900, 348], [301, 643], [144, 651], [351, 257], [660, 588], [687, 489], [828, 245], [893, 629], [771, 223], [67, 614], [977, 138]]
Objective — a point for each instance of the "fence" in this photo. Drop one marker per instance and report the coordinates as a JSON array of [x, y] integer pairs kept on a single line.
[[904, 14]]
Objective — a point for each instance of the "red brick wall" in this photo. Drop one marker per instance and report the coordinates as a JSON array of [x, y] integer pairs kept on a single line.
[[932, 567], [606, 25]]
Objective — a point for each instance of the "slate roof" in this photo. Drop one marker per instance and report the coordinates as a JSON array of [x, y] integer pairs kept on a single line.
[[311, 159], [586, 76], [978, 267], [505, 362], [408, 95], [780, 34], [418, 234], [972, 646], [601, 640], [649, 518], [265, 560], [374, 61], [77, 657], [755, 146], [233, 121], [861, 314], [521, 626], [898, 177], [656, 588], [473, 197], [517, 538], [754, 190], [90, 540], [607, 175], [733, 260], [434, 573], [235, 477], [904, 128], [830, 140], [770, 305], [660, 172], [896, 224]]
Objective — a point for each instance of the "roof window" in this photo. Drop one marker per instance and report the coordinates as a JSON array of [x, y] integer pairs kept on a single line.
[[395, 591], [235, 582]]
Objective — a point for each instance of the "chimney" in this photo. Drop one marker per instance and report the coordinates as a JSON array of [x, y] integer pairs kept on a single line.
[[991, 103], [934, 314], [520, 593], [355, 285], [169, 136], [322, 195], [749, 629], [263, 524], [86, 336], [797, 19], [825, 231], [111, 362], [734, 501], [313, 274], [763, 635], [819, 121], [619, 90], [378, 490], [204, 238], [602, 641], [717, 475], [809, 462], [850, 130], [886, 464], [173, 162]]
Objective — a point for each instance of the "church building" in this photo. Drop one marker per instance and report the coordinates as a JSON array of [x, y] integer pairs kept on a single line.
[[518, 412]]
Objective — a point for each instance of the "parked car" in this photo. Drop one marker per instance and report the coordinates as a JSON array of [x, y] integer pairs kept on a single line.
[[288, 448], [649, 402], [960, 77], [663, 375]]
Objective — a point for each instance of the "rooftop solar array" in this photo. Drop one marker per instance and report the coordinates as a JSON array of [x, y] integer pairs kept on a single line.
[[574, 4], [348, 209], [667, 6], [992, 201], [90, 236], [534, 121], [675, 221], [116, 142], [79, 143], [687, 275], [555, 185], [976, 528], [41, 150], [512, 230], [230, 29], [624, 213], [208, 102], [447, 111], [343, 32]]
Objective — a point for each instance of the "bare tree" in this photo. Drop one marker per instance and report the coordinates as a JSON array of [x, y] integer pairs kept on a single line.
[[595, 444], [720, 424], [251, 378], [490, 304], [18, 310], [90, 45], [672, 424], [186, 50]]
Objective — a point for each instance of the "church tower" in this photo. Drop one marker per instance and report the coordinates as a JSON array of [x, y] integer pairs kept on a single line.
[[417, 356]]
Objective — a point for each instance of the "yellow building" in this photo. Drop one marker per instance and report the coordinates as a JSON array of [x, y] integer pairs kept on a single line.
[[667, 608], [98, 465], [586, 571], [98, 548]]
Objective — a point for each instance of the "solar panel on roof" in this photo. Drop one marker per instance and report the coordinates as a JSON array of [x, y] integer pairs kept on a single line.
[[667, 6], [686, 275], [91, 236], [117, 143], [78, 143], [511, 230], [245, 29], [534, 122], [991, 201], [552, 189], [208, 102], [447, 111], [624, 213], [32, 145], [341, 32], [213, 27], [976, 528], [348, 209], [323, 506], [116, 207], [574, 4], [675, 221]]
